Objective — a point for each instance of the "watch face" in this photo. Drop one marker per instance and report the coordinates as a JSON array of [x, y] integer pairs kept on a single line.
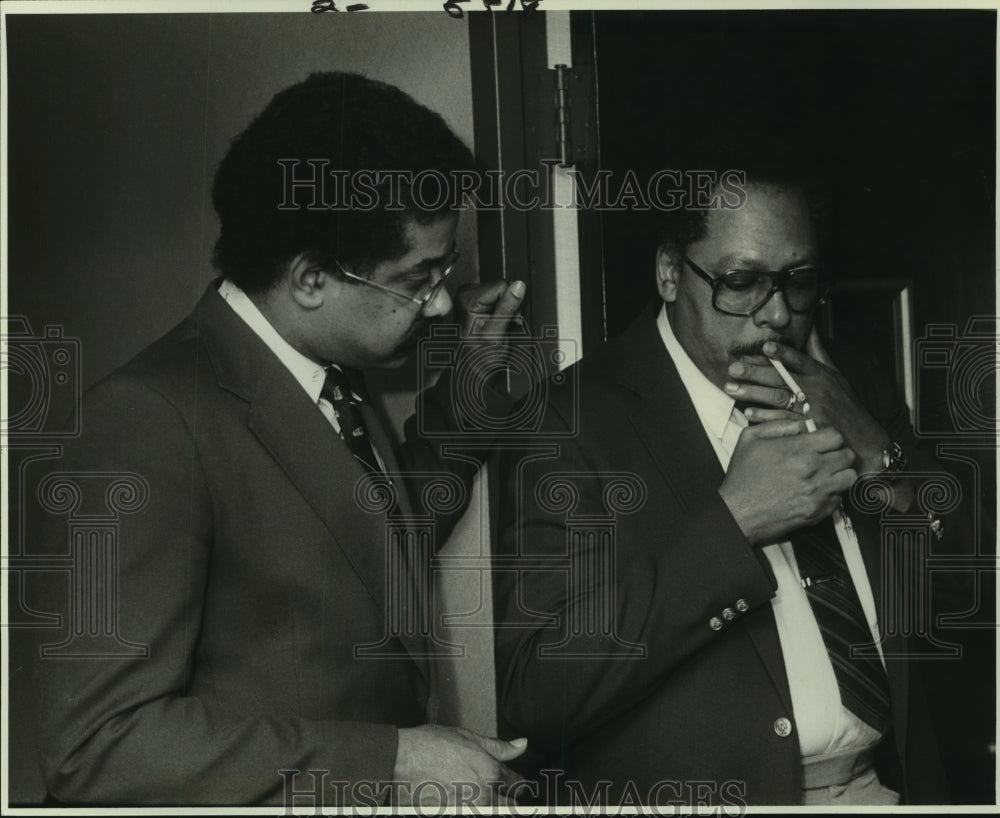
[[893, 458]]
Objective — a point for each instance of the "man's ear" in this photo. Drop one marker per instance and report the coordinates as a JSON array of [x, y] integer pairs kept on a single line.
[[667, 270], [307, 282]]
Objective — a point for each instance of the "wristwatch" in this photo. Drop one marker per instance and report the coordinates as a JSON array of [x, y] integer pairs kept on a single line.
[[893, 459], [893, 462]]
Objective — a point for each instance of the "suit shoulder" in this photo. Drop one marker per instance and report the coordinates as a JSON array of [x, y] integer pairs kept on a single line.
[[594, 383], [170, 366]]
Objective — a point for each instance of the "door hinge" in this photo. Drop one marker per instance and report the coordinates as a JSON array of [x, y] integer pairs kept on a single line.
[[564, 141], [572, 115]]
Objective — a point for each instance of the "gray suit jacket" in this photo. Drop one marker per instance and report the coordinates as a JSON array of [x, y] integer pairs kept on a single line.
[[251, 573]]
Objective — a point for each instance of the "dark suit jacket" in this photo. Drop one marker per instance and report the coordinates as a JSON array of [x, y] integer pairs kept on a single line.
[[251, 573], [698, 704]]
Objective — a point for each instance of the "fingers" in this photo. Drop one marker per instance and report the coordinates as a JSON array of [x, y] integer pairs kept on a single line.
[[510, 300], [759, 373], [757, 414], [773, 429], [461, 766], [840, 459], [777, 397], [498, 748], [501, 299], [487, 309], [791, 357], [826, 439], [507, 776], [843, 480]]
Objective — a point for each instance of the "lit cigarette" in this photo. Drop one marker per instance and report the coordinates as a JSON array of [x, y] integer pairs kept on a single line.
[[786, 376], [800, 396]]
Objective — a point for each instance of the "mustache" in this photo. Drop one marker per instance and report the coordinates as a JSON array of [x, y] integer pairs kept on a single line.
[[757, 347]]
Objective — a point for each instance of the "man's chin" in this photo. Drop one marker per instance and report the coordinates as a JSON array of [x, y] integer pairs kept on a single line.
[[396, 360]]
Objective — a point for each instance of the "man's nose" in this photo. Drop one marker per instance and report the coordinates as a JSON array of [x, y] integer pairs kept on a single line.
[[439, 305], [774, 312]]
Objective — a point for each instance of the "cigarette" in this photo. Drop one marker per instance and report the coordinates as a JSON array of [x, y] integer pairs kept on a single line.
[[786, 376], [800, 396], [796, 390]]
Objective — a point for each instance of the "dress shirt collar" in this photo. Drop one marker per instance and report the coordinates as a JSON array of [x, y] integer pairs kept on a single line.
[[714, 407], [308, 373]]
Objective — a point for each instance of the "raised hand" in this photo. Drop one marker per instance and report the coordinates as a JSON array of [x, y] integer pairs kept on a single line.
[[782, 477], [832, 402], [488, 308]]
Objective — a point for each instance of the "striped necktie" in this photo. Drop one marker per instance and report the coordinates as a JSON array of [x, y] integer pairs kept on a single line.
[[337, 390], [864, 687]]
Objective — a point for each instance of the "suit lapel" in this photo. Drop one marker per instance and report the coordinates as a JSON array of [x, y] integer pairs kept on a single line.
[[297, 436], [305, 446], [666, 422], [322, 468]]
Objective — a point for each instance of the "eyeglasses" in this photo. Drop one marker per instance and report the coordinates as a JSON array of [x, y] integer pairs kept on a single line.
[[743, 292], [422, 298]]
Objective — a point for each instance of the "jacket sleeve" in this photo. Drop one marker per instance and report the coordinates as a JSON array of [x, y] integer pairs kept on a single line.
[[666, 575], [457, 420], [961, 522], [126, 730]]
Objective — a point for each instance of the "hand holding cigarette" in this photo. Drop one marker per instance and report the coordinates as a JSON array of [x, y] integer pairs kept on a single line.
[[821, 394]]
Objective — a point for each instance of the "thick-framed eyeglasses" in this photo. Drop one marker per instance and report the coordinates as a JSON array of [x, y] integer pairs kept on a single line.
[[422, 298], [743, 292]]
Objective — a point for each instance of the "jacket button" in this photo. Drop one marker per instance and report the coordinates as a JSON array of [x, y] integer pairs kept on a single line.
[[783, 727], [715, 623], [728, 614], [741, 606]]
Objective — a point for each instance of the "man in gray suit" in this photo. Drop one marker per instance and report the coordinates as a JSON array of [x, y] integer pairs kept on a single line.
[[252, 573]]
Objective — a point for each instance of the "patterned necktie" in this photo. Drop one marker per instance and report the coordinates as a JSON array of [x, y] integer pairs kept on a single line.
[[864, 687], [337, 390]]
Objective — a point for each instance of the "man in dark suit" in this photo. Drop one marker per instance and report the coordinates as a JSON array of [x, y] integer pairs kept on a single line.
[[691, 573], [256, 659]]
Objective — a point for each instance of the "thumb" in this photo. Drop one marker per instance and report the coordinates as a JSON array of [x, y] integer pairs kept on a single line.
[[486, 298], [510, 299], [498, 748]]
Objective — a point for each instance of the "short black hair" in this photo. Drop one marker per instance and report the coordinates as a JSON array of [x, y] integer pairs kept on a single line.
[[758, 162], [351, 123]]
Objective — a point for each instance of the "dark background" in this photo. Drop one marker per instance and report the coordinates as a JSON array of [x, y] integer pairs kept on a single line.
[[897, 109]]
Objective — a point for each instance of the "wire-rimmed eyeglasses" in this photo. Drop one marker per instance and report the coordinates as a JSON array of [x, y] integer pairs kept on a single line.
[[424, 297]]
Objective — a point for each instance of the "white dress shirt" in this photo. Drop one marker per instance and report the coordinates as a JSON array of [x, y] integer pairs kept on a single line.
[[310, 375], [825, 727]]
